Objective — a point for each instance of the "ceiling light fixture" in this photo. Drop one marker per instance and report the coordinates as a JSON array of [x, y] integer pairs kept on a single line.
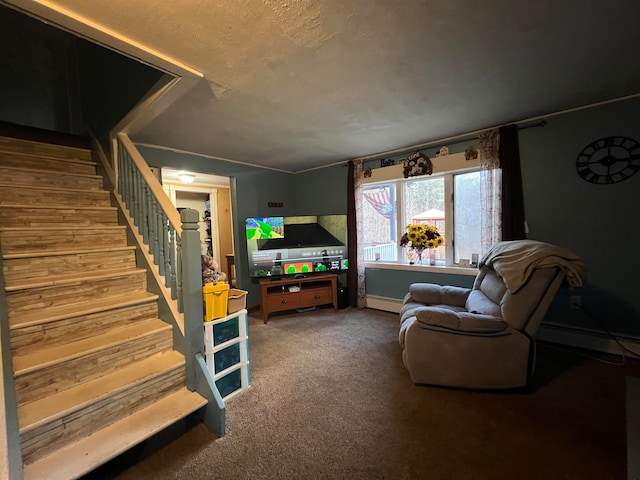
[[187, 178]]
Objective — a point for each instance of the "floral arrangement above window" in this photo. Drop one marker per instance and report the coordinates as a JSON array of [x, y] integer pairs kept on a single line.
[[421, 237]]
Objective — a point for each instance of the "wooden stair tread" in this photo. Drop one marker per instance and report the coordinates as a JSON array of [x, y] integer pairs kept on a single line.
[[42, 170], [58, 207], [49, 356], [60, 280], [65, 227], [86, 454], [99, 305], [50, 408], [29, 147], [44, 216], [76, 161], [47, 253], [54, 189]]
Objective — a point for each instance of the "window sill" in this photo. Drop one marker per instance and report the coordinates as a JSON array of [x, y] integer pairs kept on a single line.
[[423, 268]]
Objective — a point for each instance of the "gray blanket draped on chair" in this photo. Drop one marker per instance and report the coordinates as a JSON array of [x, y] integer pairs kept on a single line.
[[516, 260]]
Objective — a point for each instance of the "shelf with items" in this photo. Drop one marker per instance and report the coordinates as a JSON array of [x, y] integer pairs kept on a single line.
[[206, 216], [227, 352], [207, 241]]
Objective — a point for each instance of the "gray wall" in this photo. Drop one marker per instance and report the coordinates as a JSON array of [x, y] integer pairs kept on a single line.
[[53, 80], [34, 73], [317, 192], [322, 191], [598, 222], [111, 85], [395, 283], [251, 191]]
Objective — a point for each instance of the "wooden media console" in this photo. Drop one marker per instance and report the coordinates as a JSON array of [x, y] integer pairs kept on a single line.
[[294, 293]]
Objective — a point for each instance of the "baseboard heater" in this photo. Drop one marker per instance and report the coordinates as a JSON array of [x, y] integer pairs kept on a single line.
[[548, 332]]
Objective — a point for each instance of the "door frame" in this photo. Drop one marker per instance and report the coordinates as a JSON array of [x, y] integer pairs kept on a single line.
[[172, 189]]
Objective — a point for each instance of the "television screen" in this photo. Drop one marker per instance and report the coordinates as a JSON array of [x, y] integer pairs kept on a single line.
[[299, 245], [261, 228]]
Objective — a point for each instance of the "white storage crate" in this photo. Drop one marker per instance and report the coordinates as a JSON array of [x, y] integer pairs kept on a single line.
[[227, 352]]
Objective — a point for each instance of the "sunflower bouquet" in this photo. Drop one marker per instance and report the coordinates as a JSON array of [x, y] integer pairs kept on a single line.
[[421, 237]]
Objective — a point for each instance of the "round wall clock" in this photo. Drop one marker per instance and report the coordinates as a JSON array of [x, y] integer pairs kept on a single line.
[[609, 160]]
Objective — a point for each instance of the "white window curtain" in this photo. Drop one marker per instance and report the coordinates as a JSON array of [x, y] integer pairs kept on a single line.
[[359, 198], [491, 189]]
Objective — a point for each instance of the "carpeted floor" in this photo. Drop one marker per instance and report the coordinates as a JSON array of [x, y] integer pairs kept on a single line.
[[330, 399]]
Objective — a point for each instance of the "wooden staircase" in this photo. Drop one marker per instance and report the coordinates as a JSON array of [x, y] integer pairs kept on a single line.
[[94, 368]]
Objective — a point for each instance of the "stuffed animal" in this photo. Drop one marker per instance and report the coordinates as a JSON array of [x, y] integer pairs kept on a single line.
[[210, 272]]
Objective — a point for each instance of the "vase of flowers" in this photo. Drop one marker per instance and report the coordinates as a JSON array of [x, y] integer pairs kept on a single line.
[[418, 238]]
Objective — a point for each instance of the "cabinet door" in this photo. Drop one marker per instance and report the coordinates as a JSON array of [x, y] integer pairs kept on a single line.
[[284, 301], [316, 296]]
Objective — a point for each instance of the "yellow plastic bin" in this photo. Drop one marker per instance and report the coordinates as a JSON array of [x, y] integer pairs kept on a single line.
[[216, 297]]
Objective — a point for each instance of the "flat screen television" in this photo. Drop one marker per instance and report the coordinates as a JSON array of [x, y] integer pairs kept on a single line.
[[296, 245]]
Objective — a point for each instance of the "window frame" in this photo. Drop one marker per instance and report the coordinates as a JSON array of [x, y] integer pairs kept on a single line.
[[445, 166]]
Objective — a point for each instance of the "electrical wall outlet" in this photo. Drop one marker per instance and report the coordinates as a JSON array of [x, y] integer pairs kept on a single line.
[[575, 301]]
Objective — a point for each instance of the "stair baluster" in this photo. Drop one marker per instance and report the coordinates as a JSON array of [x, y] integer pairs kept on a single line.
[[139, 199], [156, 246]]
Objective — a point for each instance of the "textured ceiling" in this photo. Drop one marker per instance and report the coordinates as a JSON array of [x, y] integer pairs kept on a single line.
[[294, 85]]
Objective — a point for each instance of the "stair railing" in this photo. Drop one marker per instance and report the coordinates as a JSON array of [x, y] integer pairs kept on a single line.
[[153, 213], [172, 241]]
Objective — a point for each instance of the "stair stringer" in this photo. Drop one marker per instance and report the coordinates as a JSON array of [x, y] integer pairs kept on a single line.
[[214, 414], [10, 451]]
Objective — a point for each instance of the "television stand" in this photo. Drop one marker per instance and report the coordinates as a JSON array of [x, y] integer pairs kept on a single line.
[[295, 293]]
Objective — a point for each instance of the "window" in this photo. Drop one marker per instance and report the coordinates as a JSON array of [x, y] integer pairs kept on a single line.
[[450, 201], [424, 203], [467, 218], [380, 225]]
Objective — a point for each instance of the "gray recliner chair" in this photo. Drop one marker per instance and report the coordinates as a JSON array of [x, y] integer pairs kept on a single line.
[[483, 337]]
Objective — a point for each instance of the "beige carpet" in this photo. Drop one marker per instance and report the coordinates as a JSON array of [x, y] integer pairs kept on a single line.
[[330, 399]]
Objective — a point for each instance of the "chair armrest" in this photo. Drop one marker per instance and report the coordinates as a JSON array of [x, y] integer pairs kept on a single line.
[[460, 322], [434, 294], [404, 326]]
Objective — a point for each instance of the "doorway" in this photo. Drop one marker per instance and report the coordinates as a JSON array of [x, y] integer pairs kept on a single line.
[[201, 202], [210, 195]]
